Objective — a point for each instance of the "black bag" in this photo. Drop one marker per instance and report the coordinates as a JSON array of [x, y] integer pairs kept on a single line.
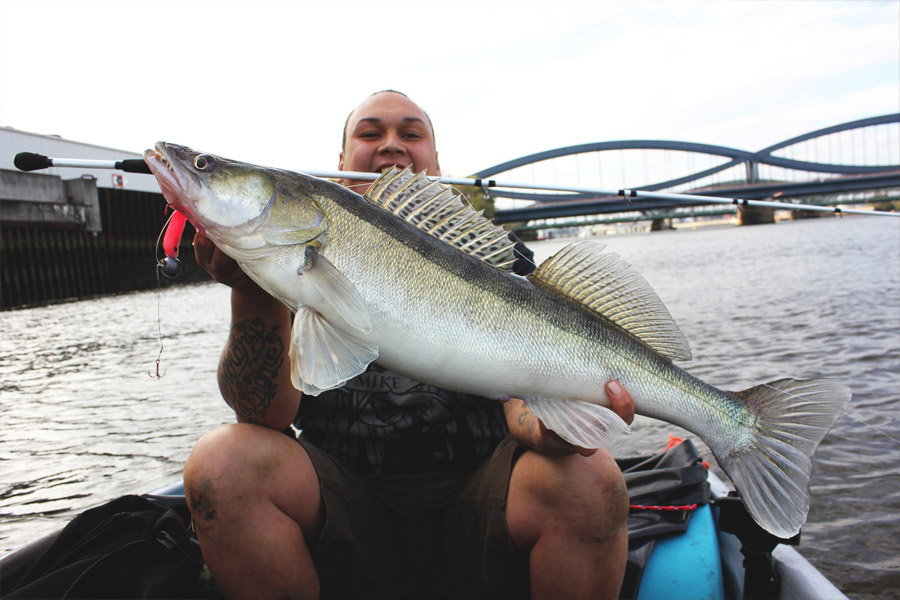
[[673, 478], [132, 547]]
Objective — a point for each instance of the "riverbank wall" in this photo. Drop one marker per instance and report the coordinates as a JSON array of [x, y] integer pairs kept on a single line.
[[70, 239]]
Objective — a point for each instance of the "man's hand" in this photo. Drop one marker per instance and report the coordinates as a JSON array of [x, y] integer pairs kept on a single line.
[[222, 268], [529, 430], [620, 401]]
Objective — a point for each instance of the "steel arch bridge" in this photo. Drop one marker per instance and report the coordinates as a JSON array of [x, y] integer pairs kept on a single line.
[[798, 166]]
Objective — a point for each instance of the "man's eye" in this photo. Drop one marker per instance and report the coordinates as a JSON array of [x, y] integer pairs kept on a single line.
[[369, 134]]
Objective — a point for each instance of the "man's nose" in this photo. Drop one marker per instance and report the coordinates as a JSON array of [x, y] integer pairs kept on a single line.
[[392, 143]]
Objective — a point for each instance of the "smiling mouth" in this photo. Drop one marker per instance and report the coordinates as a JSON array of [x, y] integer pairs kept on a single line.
[[387, 168]]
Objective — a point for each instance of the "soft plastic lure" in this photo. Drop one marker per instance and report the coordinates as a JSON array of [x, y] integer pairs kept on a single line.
[[170, 265]]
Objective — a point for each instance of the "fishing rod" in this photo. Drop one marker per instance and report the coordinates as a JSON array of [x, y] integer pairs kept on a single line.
[[28, 161]]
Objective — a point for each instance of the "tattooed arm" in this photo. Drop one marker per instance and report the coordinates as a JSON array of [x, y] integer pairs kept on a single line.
[[254, 370]]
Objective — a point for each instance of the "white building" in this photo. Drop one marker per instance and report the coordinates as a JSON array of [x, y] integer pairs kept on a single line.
[[13, 141]]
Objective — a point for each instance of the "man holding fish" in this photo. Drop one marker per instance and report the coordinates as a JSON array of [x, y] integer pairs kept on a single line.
[[395, 488]]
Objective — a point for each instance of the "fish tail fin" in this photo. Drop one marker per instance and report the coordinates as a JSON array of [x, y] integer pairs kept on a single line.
[[772, 471]]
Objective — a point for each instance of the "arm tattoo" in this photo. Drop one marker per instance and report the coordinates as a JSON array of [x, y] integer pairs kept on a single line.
[[250, 367], [528, 422]]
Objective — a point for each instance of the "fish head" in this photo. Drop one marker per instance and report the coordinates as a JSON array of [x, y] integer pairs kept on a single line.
[[209, 189], [234, 203]]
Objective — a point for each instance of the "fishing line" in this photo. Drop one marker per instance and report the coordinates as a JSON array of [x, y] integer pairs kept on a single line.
[[761, 383], [159, 266]]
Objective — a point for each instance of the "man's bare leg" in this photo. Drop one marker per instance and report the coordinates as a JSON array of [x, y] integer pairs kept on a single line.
[[254, 497], [569, 513]]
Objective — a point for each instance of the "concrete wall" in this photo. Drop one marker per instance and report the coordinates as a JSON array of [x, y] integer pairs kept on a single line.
[[47, 200]]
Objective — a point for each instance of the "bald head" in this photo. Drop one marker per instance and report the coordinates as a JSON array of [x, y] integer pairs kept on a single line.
[[388, 130], [350, 116]]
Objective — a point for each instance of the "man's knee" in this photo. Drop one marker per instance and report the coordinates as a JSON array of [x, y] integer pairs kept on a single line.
[[227, 452], [575, 493], [607, 493], [231, 464]]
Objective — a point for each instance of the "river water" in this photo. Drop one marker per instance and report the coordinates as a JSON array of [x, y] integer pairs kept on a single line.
[[82, 421]]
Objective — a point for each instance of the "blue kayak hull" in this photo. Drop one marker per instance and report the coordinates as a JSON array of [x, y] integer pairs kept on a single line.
[[686, 566]]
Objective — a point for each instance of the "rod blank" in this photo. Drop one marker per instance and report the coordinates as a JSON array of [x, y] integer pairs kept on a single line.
[[27, 161]]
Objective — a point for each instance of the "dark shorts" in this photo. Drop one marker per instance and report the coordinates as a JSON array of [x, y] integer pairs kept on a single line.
[[438, 535]]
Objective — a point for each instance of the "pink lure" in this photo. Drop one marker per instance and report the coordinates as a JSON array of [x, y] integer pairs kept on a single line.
[[170, 265]]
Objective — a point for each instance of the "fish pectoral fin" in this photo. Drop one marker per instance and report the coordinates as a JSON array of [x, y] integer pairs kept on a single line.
[[580, 423], [337, 291], [322, 356]]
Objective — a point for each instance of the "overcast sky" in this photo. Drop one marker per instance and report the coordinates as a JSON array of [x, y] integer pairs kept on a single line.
[[272, 82]]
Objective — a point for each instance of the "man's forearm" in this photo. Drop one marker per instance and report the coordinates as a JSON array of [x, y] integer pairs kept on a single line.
[[254, 370]]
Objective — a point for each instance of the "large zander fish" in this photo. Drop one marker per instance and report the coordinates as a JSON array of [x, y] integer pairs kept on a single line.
[[412, 277]]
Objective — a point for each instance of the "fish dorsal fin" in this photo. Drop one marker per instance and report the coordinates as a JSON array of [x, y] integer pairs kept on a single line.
[[609, 286], [442, 212]]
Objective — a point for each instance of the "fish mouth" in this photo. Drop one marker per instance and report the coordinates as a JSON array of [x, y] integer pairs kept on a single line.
[[176, 182]]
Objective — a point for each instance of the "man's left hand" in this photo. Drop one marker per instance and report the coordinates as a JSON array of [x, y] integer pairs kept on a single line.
[[529, 430]]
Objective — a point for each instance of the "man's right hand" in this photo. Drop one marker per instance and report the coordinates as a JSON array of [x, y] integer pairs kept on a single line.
[[221, 267]]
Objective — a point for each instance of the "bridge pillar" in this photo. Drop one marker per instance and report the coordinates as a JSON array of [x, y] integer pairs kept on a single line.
[[755, 216], [663, 224]]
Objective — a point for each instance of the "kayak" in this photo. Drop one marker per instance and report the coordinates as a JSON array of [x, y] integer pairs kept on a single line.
[[721, 553], [689, 538], [798, 577]]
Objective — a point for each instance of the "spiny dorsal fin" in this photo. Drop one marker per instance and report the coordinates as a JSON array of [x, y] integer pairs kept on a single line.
[[442, 212], [606, 284]]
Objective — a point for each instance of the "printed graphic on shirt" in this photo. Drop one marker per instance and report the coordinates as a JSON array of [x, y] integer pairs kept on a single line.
[[383, 422]]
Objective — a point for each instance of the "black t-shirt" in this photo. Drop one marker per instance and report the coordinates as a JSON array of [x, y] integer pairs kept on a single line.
[[381, 422]]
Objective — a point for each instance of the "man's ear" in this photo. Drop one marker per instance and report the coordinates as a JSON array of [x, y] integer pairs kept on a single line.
[[437, 163], [341, 161]]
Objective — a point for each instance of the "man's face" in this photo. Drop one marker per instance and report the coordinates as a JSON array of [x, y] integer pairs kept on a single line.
[[388, 129]]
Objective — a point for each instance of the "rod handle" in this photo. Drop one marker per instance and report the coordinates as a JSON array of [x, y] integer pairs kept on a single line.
[[133, 165], [29, 161]]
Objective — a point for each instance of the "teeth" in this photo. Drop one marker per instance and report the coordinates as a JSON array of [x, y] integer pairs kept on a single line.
[[163, 160], [398, 167]]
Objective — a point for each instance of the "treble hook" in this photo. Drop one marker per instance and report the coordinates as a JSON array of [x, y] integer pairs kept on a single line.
[[158, 374]]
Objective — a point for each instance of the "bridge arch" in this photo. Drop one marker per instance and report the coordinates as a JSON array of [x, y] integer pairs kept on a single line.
[[740, 161]]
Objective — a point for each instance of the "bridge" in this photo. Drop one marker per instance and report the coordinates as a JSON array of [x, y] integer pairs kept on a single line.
[[849, 163]]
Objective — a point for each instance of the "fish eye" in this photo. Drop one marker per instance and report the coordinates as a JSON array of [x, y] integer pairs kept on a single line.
[[204, 162]]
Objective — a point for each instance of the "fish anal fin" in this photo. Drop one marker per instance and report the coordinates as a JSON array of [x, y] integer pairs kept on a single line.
[[443, 213], [583, 424], [322, 356], [606, 284]]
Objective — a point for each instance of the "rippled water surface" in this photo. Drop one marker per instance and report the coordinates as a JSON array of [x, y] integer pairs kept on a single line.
[[81, 420]]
